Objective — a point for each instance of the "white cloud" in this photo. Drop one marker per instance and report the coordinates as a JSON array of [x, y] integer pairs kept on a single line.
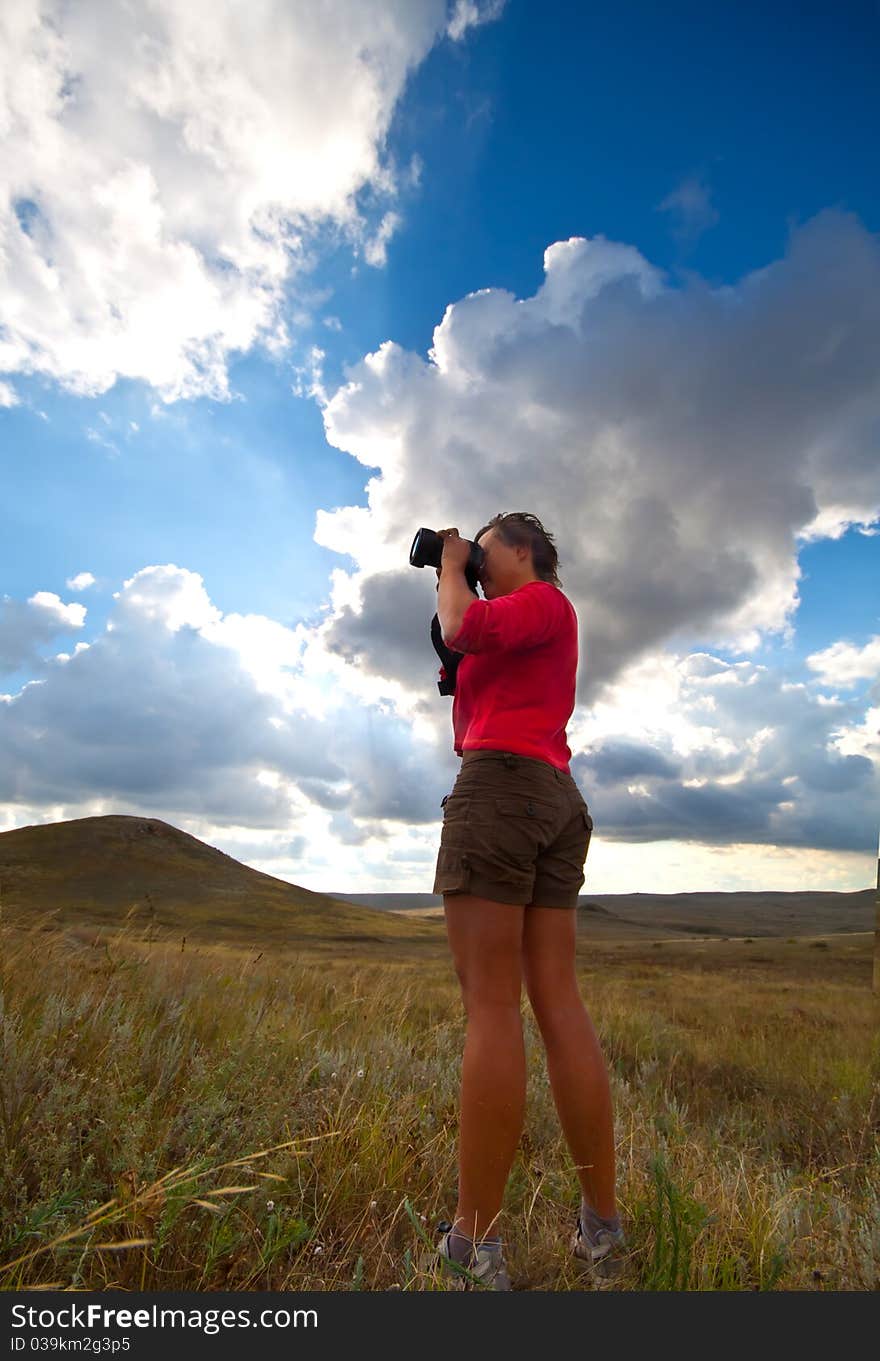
[[376, 249], [168, 167], [61, 615], [678, 442], [468, 13], [8, 395], [765, 762], [169, 596], [222, 723], [80, 582], [861, 739], [25, 627], [843, 663]]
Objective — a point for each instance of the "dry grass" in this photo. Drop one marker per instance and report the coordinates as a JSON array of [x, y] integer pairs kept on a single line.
[[235, 1120]]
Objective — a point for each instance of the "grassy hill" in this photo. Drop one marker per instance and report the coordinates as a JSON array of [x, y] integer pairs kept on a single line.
[[95, 874], [104, 871]]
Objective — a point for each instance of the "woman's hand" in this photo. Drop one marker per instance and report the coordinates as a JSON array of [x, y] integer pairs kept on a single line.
[[456, 551]]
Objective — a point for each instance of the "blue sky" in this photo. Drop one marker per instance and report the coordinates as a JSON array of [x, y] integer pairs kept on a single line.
[[152, 425]]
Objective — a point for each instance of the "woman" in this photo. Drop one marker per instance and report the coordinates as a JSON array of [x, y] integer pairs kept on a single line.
[[515, 837]]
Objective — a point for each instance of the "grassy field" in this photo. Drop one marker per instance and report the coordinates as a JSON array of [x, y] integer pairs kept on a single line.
[[231, 1118]]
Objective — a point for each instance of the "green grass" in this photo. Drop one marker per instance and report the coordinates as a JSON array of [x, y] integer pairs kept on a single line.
[[249, 1119]]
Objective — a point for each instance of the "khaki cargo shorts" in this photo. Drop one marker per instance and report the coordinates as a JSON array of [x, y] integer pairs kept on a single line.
[[515, 830]]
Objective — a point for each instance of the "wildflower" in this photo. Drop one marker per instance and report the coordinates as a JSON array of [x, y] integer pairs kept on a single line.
[[373, 1204], [360, 1072], [318, 1249], [270, 1205]]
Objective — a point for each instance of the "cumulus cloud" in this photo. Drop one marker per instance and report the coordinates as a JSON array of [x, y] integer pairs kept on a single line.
[[81, 581], [680, 443], [697, 749], [390, 604], [167, 170], [25, 626], [844, 664], [218, 722]]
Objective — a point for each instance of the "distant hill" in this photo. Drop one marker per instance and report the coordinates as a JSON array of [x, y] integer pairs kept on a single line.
[[647, 915], [104, 870]]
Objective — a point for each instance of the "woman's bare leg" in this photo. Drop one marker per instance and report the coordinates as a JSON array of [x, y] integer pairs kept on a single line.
[[575, 1063], [486, 942]]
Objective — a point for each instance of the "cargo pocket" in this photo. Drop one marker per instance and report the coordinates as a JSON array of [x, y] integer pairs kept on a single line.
[[456, 819], [453, 872], [524, 826], [526, 812]]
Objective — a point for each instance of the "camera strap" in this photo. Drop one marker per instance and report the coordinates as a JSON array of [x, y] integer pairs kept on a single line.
[[449, 658]]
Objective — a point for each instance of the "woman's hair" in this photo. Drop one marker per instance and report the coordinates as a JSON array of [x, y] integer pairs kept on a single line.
[[521, 530]]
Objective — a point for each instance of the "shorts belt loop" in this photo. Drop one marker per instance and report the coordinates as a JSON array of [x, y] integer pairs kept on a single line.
[[510, 760]]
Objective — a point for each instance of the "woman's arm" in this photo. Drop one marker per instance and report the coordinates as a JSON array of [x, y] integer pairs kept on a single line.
[[454, 598], [454, 595]]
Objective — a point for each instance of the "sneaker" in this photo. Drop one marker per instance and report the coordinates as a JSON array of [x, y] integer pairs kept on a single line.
[[600, 1249], [487, 1272]]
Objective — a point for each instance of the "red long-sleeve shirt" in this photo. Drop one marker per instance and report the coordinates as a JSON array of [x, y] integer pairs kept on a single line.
[[515, 684]]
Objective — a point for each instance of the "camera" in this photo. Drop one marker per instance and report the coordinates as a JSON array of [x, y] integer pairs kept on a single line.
[[427, 551]]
